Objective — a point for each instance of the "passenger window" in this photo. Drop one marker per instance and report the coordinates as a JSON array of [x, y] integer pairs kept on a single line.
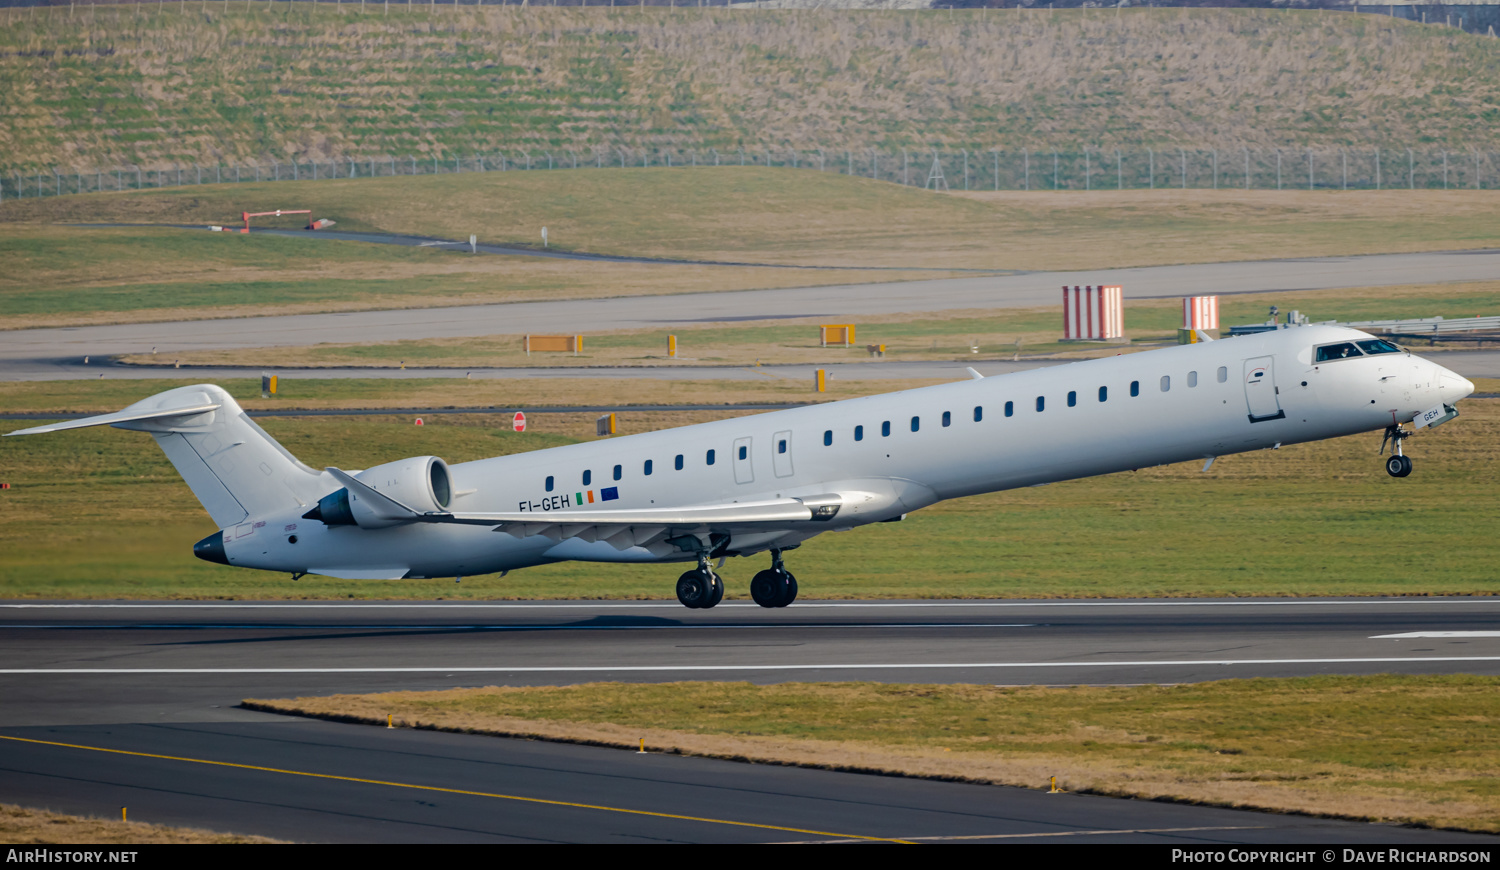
[[549, 483], [744, 452], [978, 413], [1378, 345], [1223, 374], [781, 446], [916, 423], [885, 429], [1192, 379], [647, 469], [587, 476], [1072, 398], [617, 472], [859, 433], [1041, 404], [947, 419], [1135, 388], [678, 462], [1166, 383], [1010, 409], [828, 438], [1104, 394], [709, 459], [1342, 350]]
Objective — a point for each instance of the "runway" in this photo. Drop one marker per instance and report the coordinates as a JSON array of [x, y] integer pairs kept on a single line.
[[24, 354], [1469, 363], [163, 679]]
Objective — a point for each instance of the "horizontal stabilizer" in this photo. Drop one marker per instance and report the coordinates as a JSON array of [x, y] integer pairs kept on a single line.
[[126, 416]]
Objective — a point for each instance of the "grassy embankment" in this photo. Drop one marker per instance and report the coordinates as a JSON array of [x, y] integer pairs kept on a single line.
[[70, 275], [101, 514], [26, 826], [1404, 749], [163, 84]]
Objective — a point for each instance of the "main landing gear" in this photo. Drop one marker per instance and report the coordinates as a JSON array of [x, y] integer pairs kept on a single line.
[[775, 587], [1398, 464], [702, 588]]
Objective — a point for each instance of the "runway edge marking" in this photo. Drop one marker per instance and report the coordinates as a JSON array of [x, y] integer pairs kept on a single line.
[[436, 788]]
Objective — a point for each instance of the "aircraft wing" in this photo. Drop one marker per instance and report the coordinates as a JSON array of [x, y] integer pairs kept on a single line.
[[646, 527]]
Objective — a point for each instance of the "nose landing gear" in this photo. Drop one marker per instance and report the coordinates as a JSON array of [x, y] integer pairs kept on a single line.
[[1398, 464], [700, 587], [775, 587]]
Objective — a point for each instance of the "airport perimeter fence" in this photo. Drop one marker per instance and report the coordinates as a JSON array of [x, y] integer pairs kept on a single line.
[[1025, 169]]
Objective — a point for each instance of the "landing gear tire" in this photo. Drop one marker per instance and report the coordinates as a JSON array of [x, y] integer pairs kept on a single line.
[[774, 588], [1398, 466], [699, 589]]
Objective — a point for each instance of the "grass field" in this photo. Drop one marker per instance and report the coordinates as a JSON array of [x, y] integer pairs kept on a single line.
[[1402, 749], [880, 231], [20, 825], [997, 333], [161, 84], [101, 514]]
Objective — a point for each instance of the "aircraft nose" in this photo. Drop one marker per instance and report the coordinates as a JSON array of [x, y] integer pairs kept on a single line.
[[1453, 386]]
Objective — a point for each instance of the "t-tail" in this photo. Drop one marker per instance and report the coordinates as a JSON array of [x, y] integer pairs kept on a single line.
[[234, 468]]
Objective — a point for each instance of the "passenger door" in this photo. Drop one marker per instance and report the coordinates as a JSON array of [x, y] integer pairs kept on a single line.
[[781, 454], [1260, 390], [744, 471]]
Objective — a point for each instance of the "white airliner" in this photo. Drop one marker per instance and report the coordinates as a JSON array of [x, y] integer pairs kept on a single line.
[[769, 482]]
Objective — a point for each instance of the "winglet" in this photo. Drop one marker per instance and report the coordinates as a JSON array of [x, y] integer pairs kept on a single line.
[[1203, 336], [974, 374], [378, 502]]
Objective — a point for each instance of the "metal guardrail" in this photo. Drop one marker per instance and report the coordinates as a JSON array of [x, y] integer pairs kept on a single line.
[[1427, 325]]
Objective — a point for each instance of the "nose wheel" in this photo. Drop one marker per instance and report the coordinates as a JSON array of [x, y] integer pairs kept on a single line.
[[774, 587], [1398, 464]]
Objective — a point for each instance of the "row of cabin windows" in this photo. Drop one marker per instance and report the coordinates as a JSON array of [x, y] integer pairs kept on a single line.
[[916, 424]]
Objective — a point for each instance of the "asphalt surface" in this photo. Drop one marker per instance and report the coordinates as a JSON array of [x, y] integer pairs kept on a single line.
[[164, 679], [1469, 363], [26, 354]]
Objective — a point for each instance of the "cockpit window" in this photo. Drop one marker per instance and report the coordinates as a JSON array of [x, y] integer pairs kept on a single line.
[[1378, 345], [1343, 350]]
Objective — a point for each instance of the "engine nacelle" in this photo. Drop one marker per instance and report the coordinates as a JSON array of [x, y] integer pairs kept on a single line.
[[422, 483]]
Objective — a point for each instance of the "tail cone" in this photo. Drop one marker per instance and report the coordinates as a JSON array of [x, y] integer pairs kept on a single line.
[[211, 549]]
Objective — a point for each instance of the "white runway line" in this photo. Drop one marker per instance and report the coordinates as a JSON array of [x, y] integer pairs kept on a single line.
[[1414, 634], [877, 666], [665, 605]]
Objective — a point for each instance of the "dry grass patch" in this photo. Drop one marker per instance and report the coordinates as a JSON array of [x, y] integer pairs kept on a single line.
[[1419, 750], [23, 826]]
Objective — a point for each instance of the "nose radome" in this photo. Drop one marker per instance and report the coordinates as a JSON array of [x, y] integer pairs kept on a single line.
[[1453, 386]]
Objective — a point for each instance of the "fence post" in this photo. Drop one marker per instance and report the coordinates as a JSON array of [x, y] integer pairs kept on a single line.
[[1216, 169], [1054, 170], [997, 167], [1026, 166], [966, 169], [1278, 168], [1151, 158], [1119, 171], [1088, 170], [1345, 155], [1247, 168], [1377, 168], [1445, 170], [1309, 170], [1411, 171]]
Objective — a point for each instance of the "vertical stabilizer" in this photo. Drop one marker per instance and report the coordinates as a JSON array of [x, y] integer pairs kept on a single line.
[[234, 468]]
